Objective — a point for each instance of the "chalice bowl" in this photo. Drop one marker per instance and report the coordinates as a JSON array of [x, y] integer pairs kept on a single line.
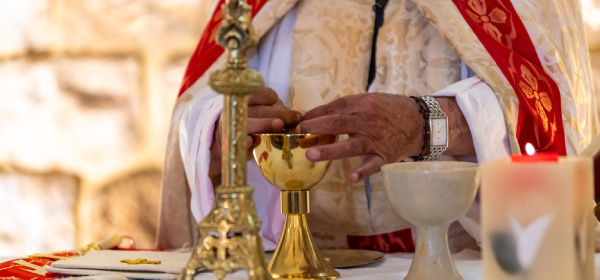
[[281, 159], [431, 195]]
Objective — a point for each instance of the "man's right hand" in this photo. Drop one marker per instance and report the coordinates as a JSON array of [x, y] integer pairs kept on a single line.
[[266, 113]]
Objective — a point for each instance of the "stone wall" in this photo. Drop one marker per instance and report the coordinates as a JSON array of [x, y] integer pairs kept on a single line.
[[37, 211], [86, 92]]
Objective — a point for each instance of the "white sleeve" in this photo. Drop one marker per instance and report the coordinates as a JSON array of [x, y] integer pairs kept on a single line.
[[197, 125], [195, 138], [485, 117]]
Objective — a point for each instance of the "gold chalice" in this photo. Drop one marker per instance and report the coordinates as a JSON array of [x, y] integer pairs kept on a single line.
[[281, 160]]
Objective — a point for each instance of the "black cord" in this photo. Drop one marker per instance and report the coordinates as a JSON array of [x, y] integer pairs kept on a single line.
[[378, 8]]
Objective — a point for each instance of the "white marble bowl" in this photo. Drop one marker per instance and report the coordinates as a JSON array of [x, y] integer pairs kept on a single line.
[[431, 195]]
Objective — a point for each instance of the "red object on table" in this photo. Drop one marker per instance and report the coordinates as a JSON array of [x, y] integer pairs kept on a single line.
[[34, 268], [30, 268]]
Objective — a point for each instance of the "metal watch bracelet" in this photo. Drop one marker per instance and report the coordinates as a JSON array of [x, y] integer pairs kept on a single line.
[[435, 152]]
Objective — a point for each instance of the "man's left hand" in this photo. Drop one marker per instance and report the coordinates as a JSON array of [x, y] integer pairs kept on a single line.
[[382, 128]]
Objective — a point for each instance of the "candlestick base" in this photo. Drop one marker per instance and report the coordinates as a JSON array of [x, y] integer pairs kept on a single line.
[[238, 242]]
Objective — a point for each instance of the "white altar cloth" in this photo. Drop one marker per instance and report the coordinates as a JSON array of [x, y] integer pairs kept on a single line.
[[395, 266]]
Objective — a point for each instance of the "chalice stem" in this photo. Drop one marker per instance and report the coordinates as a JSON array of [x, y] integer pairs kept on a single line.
[[432, 255], [296, 256]]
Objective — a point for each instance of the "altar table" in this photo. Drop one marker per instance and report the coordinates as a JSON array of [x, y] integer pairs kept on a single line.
[[395, 266]]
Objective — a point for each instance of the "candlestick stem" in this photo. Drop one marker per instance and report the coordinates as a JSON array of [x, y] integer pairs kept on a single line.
[[229, 238]]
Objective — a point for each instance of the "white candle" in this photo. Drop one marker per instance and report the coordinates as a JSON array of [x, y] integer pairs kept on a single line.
[[537, 218]]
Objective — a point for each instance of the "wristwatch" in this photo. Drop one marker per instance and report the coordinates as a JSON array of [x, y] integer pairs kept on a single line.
[[438, 129]]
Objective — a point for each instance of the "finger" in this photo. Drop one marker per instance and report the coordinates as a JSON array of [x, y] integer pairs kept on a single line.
[[215, 146], [308, 142], [354, 146], [326, 139], [265, 96], [250, 147], [334, 124], [289, 117], [250, 140], [264, 125], [370, 165], [344, 105], [315, 140]]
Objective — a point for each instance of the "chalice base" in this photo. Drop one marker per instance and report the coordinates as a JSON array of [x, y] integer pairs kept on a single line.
[[432, 258], [296, 256]]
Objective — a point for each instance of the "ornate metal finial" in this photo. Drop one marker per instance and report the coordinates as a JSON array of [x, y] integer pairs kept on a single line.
[[229, 238], [236, 33]]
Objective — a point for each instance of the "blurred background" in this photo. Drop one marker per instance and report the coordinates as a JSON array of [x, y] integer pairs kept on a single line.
[[86, 92]]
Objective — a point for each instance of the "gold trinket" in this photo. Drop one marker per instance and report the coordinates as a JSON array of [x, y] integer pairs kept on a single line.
[[140, 261]]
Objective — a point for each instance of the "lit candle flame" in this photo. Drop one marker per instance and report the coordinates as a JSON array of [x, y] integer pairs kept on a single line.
[[529, 149]]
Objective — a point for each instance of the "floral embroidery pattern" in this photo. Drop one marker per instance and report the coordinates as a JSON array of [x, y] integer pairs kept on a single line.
[[498, 27], [495, 16], [542, 101]]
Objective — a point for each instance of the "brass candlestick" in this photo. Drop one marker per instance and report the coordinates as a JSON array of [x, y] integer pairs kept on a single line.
[[281, 160], [229, 238]]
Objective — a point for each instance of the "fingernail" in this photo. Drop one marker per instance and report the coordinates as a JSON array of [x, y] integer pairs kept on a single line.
[[299, 117], [353, 177], [298, 129], [277, 124], [313, 154]]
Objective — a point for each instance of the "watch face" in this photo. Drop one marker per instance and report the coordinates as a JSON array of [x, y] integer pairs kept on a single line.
[[439, 132]]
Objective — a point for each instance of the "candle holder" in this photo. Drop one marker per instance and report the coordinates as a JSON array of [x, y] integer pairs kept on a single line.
[[431, 195], [229, 238], [281, 159]]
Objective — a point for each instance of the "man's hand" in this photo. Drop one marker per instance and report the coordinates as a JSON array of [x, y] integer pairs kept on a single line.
[[266, 113], [382, 128]]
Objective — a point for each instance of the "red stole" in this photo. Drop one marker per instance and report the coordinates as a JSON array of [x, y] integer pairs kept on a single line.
[[502, 33], [208, 51]]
